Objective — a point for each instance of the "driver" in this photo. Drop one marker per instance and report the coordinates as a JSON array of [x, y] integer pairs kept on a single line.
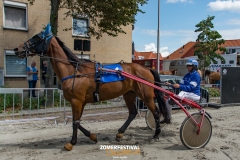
[[189, 87]]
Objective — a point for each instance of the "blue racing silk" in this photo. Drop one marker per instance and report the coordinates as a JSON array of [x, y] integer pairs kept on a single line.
[[191, 83]]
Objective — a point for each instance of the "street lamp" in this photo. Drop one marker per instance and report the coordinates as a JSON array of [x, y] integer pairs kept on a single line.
[[158, 40]]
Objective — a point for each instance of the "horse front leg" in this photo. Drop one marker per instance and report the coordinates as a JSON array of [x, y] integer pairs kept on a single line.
[[77, 108], [92, 136]]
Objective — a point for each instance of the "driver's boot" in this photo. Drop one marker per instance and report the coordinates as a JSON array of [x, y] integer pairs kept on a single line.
[[167, 118]]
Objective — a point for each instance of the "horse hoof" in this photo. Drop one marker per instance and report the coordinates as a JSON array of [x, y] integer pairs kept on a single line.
[[156, 138], [119, 136], [93, 137], [68, 146]]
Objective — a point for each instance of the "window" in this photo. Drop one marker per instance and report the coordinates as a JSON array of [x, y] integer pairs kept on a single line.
[[223, 62], [14, 66], [83, 56], [233, 50], [231, 62], [15, 15], [80, 27], [147, 63], [140, 57], [172, 64]]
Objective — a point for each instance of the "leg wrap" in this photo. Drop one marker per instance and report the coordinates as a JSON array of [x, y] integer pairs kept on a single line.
[[157, 120], [75, 126], [126, 124]]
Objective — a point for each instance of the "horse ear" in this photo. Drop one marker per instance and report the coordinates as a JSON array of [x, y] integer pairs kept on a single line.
[[48, 29]]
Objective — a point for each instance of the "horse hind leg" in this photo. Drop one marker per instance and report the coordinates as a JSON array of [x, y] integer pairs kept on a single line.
[[156, 114], [129, 98]]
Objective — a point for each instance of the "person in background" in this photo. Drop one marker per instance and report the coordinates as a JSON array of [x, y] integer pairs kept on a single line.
[[189, 87], [32, 77], [218, 81], [44, 71]]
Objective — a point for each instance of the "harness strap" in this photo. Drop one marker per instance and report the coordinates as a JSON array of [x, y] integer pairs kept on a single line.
[[97, 80], [74, 76], [65, 78]]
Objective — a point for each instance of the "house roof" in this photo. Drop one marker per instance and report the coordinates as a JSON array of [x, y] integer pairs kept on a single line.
[[181, 52], [188, 49], [231, 43], [146, 55]]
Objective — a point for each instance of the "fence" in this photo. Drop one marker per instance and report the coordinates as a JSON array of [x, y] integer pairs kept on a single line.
[[17, 105]]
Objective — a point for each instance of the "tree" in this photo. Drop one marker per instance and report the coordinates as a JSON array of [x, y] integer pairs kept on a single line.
[[107, 16], [208, 43]]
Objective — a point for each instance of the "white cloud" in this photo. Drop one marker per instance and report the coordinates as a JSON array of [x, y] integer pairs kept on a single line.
[[181, 1], [230, 34], [154, 33], [164, 51], [185, 40], [186, 33], [235, 22], [150, 32], [151, 47], [225, 5]]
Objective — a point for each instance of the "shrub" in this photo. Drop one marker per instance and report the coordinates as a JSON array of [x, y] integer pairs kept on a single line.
[[214, 92], [9, 101]]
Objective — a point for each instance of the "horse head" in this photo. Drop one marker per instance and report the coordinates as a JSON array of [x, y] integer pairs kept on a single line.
[[38, 44], [174, 72]]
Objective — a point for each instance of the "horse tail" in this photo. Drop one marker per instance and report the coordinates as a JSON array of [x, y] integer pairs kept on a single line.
[[158, 94]]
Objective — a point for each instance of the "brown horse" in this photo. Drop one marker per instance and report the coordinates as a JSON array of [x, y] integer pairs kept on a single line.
[[173, 72], [79, 85], [212, 77]]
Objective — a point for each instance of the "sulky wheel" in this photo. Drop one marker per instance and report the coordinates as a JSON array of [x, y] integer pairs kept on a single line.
[[151, 122], [188, 132]]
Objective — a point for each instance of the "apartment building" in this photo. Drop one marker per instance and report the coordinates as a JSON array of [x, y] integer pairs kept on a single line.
[[20, 21]]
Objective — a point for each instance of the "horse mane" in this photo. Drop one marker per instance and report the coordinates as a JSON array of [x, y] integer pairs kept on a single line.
[[73, 59]]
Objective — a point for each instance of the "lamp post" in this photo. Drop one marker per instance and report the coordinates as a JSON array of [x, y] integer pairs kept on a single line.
[[158, 40]]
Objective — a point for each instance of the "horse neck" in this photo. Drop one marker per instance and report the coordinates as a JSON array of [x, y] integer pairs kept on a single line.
[[61, 66]]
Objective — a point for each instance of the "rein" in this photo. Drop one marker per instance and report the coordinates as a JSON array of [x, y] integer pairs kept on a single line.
[[84, 75]]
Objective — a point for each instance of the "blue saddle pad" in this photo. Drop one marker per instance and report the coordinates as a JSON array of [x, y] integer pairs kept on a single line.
[[109, 76]]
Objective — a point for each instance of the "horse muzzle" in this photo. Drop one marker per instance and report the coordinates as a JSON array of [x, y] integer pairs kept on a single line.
[[21, 54]]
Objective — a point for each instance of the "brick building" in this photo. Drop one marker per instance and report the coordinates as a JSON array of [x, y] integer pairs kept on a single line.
[[20, 21]]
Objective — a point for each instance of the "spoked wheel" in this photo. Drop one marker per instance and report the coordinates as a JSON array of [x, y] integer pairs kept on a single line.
[[151, 121], [188, 132]]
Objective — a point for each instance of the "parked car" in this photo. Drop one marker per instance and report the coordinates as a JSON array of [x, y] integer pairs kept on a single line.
[[176, 79], [170, 78]]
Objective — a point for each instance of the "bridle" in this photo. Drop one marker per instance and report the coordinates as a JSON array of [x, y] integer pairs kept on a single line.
[[38, 44]]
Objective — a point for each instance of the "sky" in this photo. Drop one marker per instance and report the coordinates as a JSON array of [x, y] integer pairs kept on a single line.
[[178, 19]]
